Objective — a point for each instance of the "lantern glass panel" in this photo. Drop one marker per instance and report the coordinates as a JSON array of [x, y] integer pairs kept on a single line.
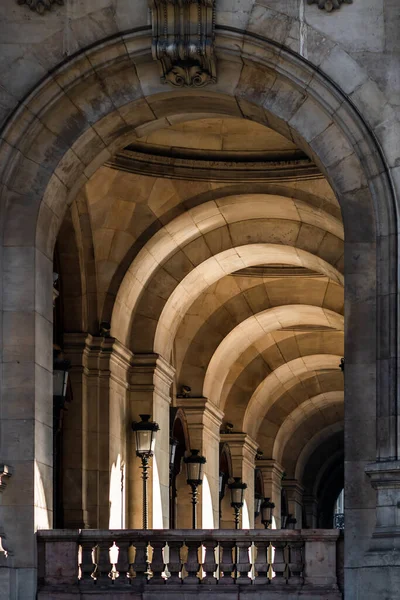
[[257, 504], [145, 441], [221, 483], [172, 451], [237, 495], [194, 471], [60, 380]]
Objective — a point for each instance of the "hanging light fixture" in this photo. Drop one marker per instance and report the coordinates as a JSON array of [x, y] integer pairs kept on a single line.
[[288, 521], [237, 488], [257, 504], [267, 509], [60, 375], [145, 433], [194, 468], [173, 444], [221, 484]]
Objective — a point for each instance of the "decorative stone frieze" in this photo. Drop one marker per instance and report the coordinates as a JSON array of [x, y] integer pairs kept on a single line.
[[183, 38], [40, 5], [329, 5]]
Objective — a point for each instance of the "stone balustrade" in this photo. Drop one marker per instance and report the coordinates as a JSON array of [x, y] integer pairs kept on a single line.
[[147, 564]]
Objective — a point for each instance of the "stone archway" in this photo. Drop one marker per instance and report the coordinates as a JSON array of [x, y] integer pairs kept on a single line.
[[58, 138]]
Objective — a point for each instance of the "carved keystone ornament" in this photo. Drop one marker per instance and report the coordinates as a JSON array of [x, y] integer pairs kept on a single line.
[[40, 5], [183, 38], [329, 5]]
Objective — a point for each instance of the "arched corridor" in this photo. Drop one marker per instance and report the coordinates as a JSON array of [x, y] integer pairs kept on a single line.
[[205, 256]]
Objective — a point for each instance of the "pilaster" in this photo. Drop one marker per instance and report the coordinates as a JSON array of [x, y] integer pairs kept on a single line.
[[272, 473], [150, 381], [204, 421], [243, 452], [310, 504], [385, 479], [294, 493]]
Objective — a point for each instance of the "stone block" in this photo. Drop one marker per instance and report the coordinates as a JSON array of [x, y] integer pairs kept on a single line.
[[343, 70], [19, 284]]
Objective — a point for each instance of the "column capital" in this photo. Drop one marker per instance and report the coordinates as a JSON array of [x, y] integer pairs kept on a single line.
[[241, 443], [145, 366], [203, 407], [269, 465], [293, 488]]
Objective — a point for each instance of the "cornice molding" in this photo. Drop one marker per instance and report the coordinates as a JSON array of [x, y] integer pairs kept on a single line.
[[329, 5], [183, 41], [232, 171], [40, 5]]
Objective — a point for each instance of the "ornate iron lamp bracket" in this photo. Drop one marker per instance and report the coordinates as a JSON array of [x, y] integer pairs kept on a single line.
[[183, 41]]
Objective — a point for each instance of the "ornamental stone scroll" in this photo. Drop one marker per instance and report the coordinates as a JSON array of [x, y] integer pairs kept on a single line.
[[40, 5], [183, 41], [329, 5]]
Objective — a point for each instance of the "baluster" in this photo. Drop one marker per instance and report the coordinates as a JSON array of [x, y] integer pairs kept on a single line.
[[149, 560], [296, 563], [243, 564], [157, 563], [113, 553], [166, 574], [104, 564], [210, 563], [253, 552], [192, 564], [271, 557], [218, 558], [201, 558], [175, 564], [261, 564], [183, 557], [280, 564], [226, 564], [95, 575], [80, 561], [141, 564], [86, 564], [235, 574], [131, 573], [122, 566]]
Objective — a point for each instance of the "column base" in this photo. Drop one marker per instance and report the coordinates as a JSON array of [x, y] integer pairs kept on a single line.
[[385, 479]]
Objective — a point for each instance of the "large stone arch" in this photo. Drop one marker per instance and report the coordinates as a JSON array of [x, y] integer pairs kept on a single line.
[[288, 432], [253, 329], [266, 397], [66, 128], [194, 349], [237, 219]]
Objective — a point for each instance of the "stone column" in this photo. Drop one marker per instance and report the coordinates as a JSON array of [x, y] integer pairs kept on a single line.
[[74, 471], [204, 421], [385, 479], [294, 492], [26, 409], [149, 393], [96, 425], [95, 432], [243, 452], [272, 473]]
